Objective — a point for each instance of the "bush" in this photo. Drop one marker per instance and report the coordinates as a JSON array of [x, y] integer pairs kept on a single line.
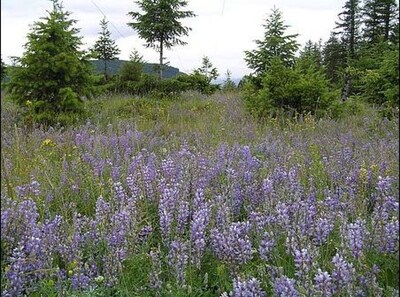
[[300, 89]]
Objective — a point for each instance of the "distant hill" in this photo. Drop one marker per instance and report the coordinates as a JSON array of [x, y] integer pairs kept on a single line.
[[149, 68]]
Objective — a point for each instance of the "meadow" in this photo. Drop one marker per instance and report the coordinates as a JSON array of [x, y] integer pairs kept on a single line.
[[193, 197]]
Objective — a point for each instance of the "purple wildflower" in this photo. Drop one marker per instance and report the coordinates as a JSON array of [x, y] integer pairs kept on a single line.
[[323, 283], [155, 274], [266, 245], [177, 260], [343, 272], [285, 287], [247, 288]]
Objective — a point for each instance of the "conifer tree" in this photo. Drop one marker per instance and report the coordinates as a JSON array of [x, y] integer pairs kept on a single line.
[[207, 69], [334, 58], [380, 18], [53, 74], [349, 30], [349, 26], [275, 44], [160, 26], [105, 48]]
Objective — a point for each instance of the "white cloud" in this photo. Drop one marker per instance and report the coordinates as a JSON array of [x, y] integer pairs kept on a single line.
[[222, 30]]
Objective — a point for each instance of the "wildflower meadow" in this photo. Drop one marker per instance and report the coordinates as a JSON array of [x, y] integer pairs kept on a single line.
[[192, 197]]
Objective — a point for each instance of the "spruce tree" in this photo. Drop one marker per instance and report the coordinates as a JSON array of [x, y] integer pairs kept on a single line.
[[105, 48], [160, 26], [54, 74], [207, 69], [275, 44], [349, 30], [333, 58], [380, 18], [349, 26]]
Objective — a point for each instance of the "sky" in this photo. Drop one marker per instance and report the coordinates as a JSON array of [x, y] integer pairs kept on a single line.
[[222, 29]]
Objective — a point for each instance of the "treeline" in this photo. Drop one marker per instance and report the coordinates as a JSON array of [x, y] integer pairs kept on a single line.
[[359, 63]]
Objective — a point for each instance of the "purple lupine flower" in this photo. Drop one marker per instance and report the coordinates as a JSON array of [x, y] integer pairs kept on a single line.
[[166, 209], [120, 194], [322, 230], [343, 272], [155, 274], [233, 246], [285, 287], [223, 217], [247, 288], [183, 217], [266, 245], [390, 240], [177, 260], [303, 262], [121, 225], [17, 279], [199, 225], [354, 236], [323, 283], [384, 184], [115, 173], [131, 181]]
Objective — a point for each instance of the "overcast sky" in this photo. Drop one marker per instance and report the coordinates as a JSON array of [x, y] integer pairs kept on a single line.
[[222, 29]]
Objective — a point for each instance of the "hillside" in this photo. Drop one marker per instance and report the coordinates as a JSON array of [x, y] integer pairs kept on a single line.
[[149, 68]]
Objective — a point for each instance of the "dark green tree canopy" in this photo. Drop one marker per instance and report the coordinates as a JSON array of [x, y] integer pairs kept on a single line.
[[160, 24], [275, 44], [105, 48], [53, 74]]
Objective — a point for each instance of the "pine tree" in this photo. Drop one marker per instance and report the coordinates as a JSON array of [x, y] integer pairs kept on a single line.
[[275, 44], [334, 58], [229, 84], [105, 48], [160, 25], [208, 70], [53, 74], [380, 18], [349, 29], [312, 51], [349, 26]]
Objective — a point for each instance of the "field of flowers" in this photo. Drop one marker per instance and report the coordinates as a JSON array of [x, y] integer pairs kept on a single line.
[[193, 198]]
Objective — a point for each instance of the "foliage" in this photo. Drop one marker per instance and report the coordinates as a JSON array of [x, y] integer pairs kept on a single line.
[[207, 69], [274, 44], [159, 24], [349, 26], [228, 85], [334, 59], [54, 74], [379, 18], [380, 83], [303, 89], [3, 69], [105, 48]]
